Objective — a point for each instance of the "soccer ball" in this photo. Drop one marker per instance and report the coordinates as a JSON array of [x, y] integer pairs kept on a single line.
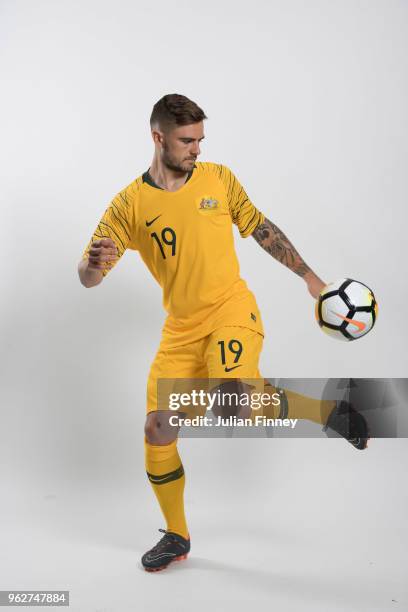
[[346, 309]]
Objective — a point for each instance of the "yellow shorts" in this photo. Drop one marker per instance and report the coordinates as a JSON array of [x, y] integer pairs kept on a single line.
[[228, 352]]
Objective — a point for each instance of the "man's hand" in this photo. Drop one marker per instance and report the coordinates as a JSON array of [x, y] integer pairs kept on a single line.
[[102, 254], [314, 284]]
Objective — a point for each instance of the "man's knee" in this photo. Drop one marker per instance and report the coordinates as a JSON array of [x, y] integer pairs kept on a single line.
[[158, 430], [228, 399]]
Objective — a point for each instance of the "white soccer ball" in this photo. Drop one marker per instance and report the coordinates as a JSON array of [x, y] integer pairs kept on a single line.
[[346, 309]]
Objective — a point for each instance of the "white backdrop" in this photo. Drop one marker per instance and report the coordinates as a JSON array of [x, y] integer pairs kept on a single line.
[[306, 104]]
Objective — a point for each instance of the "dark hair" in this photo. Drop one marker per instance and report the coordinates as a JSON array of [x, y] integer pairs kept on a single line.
[[173, 110]]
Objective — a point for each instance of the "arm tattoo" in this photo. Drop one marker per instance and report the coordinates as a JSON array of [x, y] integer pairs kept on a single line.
[[274, 242]]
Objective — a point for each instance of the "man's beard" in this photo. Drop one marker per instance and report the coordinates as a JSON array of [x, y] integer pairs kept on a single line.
[[174, 165]]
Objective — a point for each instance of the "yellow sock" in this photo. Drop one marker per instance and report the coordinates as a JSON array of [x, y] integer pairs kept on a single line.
[[299, 406], [166, 474], [303, 407]]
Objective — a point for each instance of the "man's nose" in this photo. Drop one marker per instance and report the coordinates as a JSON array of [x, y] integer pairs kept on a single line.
[[195, 149]]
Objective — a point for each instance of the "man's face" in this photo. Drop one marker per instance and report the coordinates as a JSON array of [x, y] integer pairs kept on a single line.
[[181, 146]]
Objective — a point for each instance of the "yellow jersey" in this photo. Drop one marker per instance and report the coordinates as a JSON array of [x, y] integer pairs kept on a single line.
[[186, 240]]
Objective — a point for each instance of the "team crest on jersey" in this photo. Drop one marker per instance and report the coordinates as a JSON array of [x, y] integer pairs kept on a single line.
[[208, 204]]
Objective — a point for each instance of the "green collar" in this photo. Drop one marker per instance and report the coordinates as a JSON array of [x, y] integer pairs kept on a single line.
[[148, 179]]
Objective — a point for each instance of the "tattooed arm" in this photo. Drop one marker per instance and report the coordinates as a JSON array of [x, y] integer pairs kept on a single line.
[[274, 242]]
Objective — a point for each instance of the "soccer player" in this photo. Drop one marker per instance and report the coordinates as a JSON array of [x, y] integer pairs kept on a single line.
[[179, 214]]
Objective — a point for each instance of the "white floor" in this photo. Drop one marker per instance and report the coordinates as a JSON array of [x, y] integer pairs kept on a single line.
[[292, 525]]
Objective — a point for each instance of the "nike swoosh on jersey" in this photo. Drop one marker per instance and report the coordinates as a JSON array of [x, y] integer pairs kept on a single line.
[[359, 324], [148, 223], [233, 368]]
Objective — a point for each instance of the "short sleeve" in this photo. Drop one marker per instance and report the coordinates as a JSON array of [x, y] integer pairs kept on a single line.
[[243, 212], [117, 223]]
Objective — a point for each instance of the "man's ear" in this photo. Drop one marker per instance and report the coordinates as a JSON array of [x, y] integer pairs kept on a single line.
[[157, 133]]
